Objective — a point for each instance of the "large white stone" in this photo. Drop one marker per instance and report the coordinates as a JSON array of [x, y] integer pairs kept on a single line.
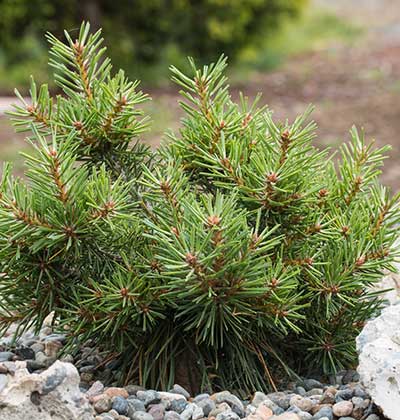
[[51, 395], [379, 360]]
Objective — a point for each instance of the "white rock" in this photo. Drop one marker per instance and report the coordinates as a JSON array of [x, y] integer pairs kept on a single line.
[[379, 360], [391, 285], [51, 395]]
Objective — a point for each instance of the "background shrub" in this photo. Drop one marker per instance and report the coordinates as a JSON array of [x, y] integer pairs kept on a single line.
[[144, 34]]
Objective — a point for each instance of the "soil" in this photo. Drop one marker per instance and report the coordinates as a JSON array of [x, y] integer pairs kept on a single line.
[[348, 84]]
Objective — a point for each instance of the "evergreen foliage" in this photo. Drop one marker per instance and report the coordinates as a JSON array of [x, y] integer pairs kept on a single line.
[[238, 251]]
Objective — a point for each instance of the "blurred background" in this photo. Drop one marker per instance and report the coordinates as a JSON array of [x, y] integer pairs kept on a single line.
[[343, 56]]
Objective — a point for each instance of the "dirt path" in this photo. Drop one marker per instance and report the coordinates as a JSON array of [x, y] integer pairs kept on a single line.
[[348, 85]]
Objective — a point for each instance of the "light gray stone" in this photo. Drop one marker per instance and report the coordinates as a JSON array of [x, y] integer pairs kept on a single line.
[[379, 360], [51, 394]]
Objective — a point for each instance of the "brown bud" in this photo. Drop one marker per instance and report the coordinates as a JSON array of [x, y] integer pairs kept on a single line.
[[360, 261], [30, 109], [274, 283], [52, 153], [175, 231], [124, 292], [323, 192], [191, 259], [78, 125], [285, 135], [272, 177], [222, 124], [213, 220], [345, 230]]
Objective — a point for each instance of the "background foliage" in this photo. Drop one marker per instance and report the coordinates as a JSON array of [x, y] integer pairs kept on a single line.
[[144, 36]]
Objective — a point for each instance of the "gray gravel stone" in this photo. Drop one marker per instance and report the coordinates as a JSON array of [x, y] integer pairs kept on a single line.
[[344, 394], [148, 397], [372, 417], [300, 390], [102, 405], [258, 398], [135, 404], [141, 415], [6, 356], [3, 381], [133, 389], [232, 400], [157, 411], [309, 384], [314, 391], [120, 405], [207, 405], [171, 415], [227, 415], [198, 412], [177, 389], [281, 399], [187, 412], [324, 412], [200, 397], [178, 405]]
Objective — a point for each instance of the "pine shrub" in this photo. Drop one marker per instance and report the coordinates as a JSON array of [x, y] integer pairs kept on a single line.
[[234, 255]]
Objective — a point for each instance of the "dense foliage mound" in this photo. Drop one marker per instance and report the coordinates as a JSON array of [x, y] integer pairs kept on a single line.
[[236, 251]]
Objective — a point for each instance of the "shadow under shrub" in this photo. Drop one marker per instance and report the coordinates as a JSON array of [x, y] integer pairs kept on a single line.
[[234, 255]]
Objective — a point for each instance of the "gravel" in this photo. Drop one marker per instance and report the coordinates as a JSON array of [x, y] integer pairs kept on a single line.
[[308, 399]]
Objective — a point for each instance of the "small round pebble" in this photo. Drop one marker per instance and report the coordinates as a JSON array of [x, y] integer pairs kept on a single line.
[[171, 415], [120, 405], [324, 412], [102, 404], [342, 408], [142, 415]]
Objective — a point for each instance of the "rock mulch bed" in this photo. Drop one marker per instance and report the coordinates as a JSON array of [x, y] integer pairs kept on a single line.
[[33, 380]]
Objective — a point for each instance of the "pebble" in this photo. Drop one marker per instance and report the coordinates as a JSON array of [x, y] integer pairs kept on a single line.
[[120, 405], [3, 381], [187, 412], [135, 404], [227, 415], [206, 404], [342, 408], [177, 389], [280, 399], [344, 394], [198, 412], [308, 400], [133, 389], [263, 412], [6, 356], [142, 415], [171, 415], [232, 400], [149, 397], [310, 384], [116, 392], [305, 404], [178, 405], [25, 353], [96, 389], [324, 412], [102, 403], [258, 398]]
